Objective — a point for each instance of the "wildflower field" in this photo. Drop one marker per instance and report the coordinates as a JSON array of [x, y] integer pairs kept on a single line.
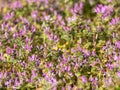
[[59, 44]]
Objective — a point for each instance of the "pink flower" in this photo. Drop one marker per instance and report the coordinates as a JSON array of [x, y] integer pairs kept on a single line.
[[104, 10], [63, 88], [69, 87], [84, 79], [15, 35], [22, 32], [78, 7], [34, 14], [16, 4], [6, 35], [9, 50], [7, 83], [59, 17], [33, 73], [33, 29], [9, 16], [118, 74], [117, 44], [116, 58], [17, 82], [114, 21], [93, 53]]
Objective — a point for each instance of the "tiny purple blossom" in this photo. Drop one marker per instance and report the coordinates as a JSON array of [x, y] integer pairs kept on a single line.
[[117, 44], [7, 83], [104, 10], [34, 14], [9, 50], [16, 4], [118, 74], [78, 8], [84, 79], [114, 21], [9, 16]]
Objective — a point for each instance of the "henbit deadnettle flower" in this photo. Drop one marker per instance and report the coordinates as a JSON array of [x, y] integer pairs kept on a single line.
[[24, 20], [6, 35], [7, 83], [59, 17], [84, 79], [78, 8], [34, 14], [9, 50], [114, 21], [15, 35], [63, 88], [34, 74], [117, 44], [9, 16], [104, 10], [17, 82], [16, 4], [22, 32], [116, 57], [93, 53], [118, 74], [33, 29]]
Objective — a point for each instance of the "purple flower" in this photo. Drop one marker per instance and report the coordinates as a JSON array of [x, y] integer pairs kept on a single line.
[[110, 66], [3, 26], [6, 35], [7, 83], [17, 82], [54, 88], [15, 35], [27, 80], [59, 17], [24, 73], [63, 88], [86, 53], [117, 44], [9, 16], [67, 28], [104, 10], [34, 14], [116, 58], [33, 73], [33, 29], [50, 64], [9, 50], [69, 87], [93, 53], [84, 79], [5, 74], [78, 7], [63, 69], [22, 32], [55, 38], [16, 4], [31, 58], [46, 30], [24, 20], [46, 17], [114, 21], [118, 74]]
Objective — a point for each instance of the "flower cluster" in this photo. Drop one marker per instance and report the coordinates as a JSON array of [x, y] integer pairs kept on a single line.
[[59, 45]]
